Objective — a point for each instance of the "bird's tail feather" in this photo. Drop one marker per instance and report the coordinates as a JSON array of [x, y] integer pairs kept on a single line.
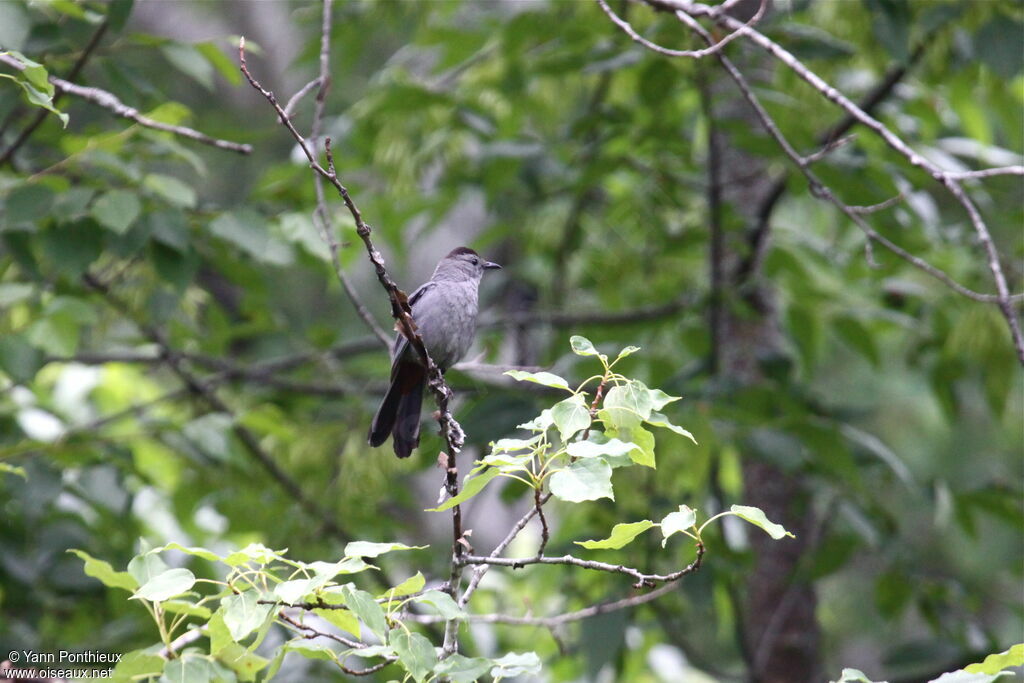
[[406, 431], [399, 412]]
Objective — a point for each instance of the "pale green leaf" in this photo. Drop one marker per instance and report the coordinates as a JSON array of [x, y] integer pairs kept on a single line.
[[622, 535], [413, 584], [659, 420], [243, 614], [368, 549], [995, 663], [582, 346], [442, 603], [415, 652], [584, 479], [570, 416], [460, 669], [678, 521], [757, 517], [516, 664], [659, 399], [366, 608], [592, 449], [546, 378], [470, 487], [166, 585], [99, 569]]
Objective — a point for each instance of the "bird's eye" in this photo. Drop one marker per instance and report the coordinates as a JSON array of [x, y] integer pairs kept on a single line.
[[475, 261]]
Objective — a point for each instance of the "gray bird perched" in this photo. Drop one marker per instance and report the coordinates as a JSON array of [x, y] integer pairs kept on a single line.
[[445, 310]]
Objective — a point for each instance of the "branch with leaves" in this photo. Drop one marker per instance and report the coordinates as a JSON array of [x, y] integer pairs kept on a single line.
[[688, 13], [570, 455]]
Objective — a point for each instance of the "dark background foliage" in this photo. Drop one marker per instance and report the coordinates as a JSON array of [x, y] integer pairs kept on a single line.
[[874, 410]]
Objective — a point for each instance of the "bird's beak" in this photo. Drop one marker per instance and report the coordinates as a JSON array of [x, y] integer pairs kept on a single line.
[[490, 265]]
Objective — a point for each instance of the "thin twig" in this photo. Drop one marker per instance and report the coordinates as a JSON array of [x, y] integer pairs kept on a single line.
[[642, 579], [41, 115], [686, 11], [289, 108], [321, 215], [986, 172], [668, 52], [401, 311], [109, 101], [481, 569], [586, 613]]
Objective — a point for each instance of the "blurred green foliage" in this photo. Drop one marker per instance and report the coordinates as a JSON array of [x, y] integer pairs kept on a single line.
[[542, 136]]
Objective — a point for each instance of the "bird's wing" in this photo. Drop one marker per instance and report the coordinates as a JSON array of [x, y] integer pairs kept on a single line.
[[401, 343]]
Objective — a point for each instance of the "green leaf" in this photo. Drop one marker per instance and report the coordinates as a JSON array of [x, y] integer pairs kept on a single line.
[[622, 535], [193, 668], [628, 351], [644, 455], [190, 61], [508, 445], [516, 664], [137, 664], [169, 227], [244, 663], [460, 669], [857, 336], [546, 378], [570, 416], [117, 210], [18, 358], [582, 346], [243, 614], [342, 618], [12, 469], [366, 608], [98, 569], [15, 25], [208, 555], [146, 566], [166, 585], [584, 479], [220, 61], [292, 591], [659, 399], [678, 521], [413, 584], [35, 83], [311, 649], [442, 603], [757, 517], [471, 486], [995, 663], [185, 607], [541, 423], [248, 230], [853, 676], [659, 420], [118, 12], [998, 45], [634, 397], [962, 676], [171, 189], [368, 549], [415, 652], [26, 205], [592, 449]]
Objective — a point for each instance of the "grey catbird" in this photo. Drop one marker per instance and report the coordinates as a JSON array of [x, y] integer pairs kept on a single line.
[[445, 310]]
